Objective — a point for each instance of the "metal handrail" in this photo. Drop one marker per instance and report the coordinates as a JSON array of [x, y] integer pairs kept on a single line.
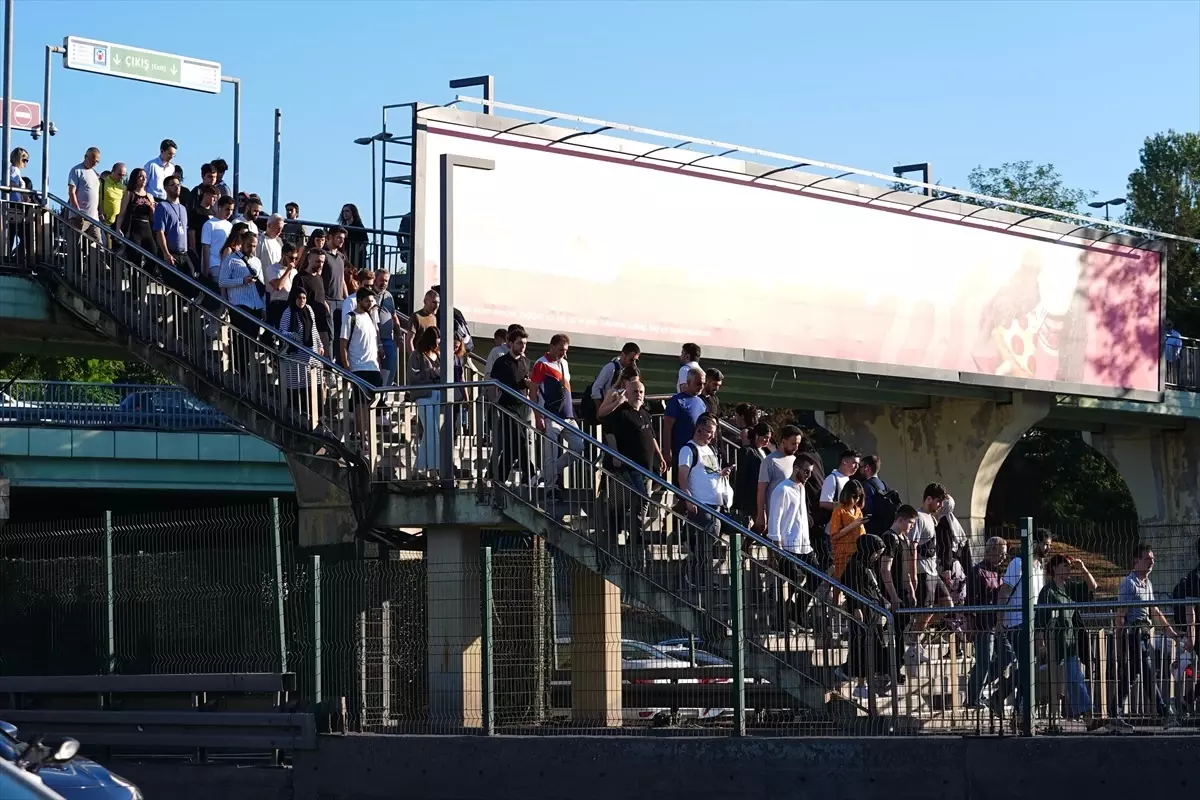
[[205, 290], [810, 162], [679, 492]]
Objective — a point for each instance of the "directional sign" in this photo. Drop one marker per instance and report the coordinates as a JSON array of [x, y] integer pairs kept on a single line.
[[140, 64], [24, 115]]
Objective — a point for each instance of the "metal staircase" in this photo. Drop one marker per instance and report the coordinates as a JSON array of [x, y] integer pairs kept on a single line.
[[633, 528], [274, 389], [612, 517]]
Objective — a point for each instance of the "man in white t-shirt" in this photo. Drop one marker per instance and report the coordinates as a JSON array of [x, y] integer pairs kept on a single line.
[[787, 526], [1012, 598], [689, 359], [213, 235], [831, 493], [359, 348], [701, 476], [924, 582]]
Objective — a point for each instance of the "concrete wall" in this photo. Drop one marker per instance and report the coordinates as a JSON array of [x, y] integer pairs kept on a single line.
[[959, 443], [365, 767]]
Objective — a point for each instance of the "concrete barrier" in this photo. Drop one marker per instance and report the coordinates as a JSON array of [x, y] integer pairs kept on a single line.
[[357, 767], [367, 767]]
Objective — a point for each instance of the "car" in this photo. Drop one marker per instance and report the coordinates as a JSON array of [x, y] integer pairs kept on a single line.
[[78, 778], [17, 784], [637, 655], [168, 409]]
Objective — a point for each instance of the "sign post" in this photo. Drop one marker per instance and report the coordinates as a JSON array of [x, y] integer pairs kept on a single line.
[[140, 64], [147, 66]]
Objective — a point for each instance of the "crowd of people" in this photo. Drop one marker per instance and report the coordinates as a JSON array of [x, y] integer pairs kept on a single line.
[[847, 524]]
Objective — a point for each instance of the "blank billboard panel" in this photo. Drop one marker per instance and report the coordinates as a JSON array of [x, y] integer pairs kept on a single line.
[[602, 246]]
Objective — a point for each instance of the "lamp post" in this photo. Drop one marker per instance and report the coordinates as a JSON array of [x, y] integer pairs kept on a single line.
[[371, 140], [1116, 201]]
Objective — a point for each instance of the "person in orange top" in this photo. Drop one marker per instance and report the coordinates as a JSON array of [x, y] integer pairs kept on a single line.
[[846, 525]]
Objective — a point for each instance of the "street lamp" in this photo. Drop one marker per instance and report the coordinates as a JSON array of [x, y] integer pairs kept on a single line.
[[371, 140], [1116, 201]]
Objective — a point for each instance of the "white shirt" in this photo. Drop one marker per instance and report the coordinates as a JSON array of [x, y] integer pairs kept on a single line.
[[831, 489], [683, 373], [233, 280], [214, 233], [605, 379], [1012, 579], [787, 518], [704, 479], [363, 344], [249, 223], [269, 252], [349, 305], [924, 531], [156, 173]]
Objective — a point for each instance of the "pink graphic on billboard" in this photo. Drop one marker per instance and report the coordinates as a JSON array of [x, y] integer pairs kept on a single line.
[[586, 241]]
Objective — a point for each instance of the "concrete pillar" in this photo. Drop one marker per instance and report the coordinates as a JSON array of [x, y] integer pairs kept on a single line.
[[453, 616], [959, 443], [595, 651], [323, 509], [1162, 470]]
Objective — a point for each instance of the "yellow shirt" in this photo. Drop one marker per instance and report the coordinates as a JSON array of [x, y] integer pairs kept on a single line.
[[111, 193]]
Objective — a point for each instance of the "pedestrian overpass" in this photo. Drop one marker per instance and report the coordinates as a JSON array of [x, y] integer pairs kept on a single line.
[[933, 401]]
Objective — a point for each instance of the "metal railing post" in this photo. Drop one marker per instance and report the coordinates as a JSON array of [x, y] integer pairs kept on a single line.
[[737, 604], [110, 655], [283, 656], [316, 631], [487, 679], [275, 167], [1025, 652]]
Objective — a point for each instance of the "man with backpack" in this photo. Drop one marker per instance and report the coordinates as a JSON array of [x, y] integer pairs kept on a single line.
[[601, 387], [882, 502]]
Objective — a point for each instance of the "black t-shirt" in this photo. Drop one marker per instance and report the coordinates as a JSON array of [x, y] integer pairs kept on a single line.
[[513, 373], [196, 217], [1186, 589], [745, 480], [634, 432], [711, 404]]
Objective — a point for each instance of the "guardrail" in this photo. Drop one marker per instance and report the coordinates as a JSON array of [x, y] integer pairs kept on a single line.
[[78, 404]]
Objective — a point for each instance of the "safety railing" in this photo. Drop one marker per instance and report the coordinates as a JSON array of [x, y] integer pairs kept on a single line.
[[1181, 356], [257, 370], [972, 670], [18, 226], [79, 404]]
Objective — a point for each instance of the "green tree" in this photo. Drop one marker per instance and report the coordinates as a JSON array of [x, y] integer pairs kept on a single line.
[[1164, 195], [1026, 182]]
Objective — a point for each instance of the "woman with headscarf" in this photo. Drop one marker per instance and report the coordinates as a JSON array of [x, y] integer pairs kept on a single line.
[[867, 636], [954, 557], [299, 324]]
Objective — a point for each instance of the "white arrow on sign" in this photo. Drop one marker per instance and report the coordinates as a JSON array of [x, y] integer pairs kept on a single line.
[[116, 60], [174, 70]]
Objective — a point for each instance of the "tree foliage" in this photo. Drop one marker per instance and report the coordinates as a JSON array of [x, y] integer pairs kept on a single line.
[[1026, 182], [1164, 195], [73, 368]]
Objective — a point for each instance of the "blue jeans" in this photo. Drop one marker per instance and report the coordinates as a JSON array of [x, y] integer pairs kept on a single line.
[[1138, 658], [388, 367], [1079, 700], [993, 654]]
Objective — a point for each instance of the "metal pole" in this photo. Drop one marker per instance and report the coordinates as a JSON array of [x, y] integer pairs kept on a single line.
[[737, 603], [275, 171], [237, 129], [8, 62], [110, 631], [382, 187], [487, 611], [374, 220], [50, 50], [283, 657], [316, 630], [1025, 652], [446, 312]]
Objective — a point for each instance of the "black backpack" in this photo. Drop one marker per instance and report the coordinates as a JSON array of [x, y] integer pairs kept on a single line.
[[587, 404], [884, 504]]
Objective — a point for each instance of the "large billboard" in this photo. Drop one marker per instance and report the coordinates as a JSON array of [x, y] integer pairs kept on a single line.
[[606, 247]]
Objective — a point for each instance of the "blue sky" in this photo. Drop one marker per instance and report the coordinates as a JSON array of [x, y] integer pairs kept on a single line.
[[1078, 84]]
